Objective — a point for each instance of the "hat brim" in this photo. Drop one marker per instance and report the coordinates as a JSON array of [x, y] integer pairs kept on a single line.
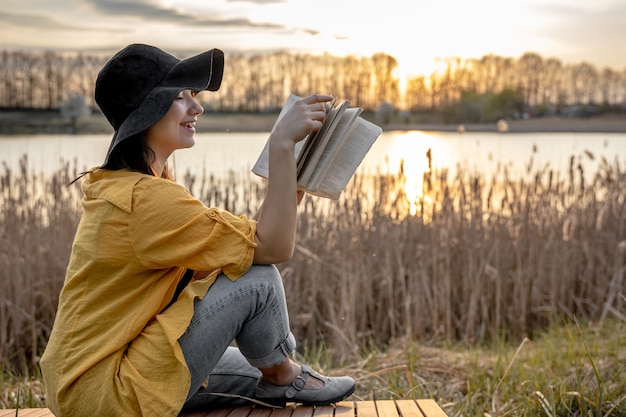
[[200, 72]]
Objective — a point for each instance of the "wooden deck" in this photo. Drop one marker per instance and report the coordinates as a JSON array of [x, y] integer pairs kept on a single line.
[[385, 408]]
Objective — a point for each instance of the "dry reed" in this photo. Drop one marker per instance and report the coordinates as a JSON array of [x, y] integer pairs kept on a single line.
[[483, 258], [37, 224]]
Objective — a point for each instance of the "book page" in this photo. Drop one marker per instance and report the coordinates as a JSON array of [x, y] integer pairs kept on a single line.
[[347, 158], [325, 157], [261, 166], [309, 159]]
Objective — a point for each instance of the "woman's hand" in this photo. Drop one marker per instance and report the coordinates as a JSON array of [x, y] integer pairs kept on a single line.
[[305, 116]]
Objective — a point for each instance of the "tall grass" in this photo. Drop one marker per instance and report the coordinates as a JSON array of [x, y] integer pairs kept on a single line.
[[38, 219], [483, 259]]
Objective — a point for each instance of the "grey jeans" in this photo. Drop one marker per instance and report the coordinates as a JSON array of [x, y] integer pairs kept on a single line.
[[251, 311]]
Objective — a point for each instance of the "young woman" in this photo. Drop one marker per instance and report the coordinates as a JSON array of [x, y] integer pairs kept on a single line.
[[158, 285]]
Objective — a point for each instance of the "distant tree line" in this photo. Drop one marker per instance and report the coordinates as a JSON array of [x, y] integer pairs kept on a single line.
[[43, 80], [494, 86], [487, 87]]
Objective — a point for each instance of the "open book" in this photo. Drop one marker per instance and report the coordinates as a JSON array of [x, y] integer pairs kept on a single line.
[[327, 159]]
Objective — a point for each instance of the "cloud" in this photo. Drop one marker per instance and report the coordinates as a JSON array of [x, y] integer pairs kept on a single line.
[[143, 9], [236, 22], [590, 34], [40, 22], [147, 10], [583, 24]]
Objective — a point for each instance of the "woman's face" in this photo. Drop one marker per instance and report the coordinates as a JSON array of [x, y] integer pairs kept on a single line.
[[176, 129]]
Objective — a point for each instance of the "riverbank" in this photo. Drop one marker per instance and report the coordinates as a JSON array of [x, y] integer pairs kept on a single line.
[[17, 122], [610, 123]]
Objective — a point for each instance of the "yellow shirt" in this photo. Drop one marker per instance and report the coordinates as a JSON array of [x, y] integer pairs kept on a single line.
[[113, 350]]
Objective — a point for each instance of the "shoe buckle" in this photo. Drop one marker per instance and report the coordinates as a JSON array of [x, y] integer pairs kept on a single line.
[[295, 386], [298, 383]]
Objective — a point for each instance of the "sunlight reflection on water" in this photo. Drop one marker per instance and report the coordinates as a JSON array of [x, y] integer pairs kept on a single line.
[[488, 154]]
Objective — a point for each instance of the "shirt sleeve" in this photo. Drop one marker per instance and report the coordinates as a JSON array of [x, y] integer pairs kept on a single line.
[[169, 227]]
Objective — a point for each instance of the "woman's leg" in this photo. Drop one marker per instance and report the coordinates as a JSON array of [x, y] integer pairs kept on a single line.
[[233, 375], [252, 311]]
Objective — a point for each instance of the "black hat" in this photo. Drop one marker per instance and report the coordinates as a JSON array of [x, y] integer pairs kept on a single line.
[[136, 88]]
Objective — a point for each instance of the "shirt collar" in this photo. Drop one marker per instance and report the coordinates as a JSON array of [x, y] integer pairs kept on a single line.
[[114, 186]]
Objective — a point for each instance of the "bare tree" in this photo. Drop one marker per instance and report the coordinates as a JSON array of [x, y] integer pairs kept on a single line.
[[551, 81], [530, 71], [610, 86], [417, 93], [583, 81], [385, 84]]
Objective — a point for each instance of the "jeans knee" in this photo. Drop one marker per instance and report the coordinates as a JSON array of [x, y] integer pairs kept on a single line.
[[267, 273]]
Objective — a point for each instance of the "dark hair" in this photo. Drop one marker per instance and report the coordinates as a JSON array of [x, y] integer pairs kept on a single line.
[[133, 154]]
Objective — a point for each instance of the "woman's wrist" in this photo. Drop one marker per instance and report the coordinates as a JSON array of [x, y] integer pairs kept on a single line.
[[281, 143]]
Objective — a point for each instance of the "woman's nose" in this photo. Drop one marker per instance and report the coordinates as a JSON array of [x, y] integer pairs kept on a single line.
[[197, 108]]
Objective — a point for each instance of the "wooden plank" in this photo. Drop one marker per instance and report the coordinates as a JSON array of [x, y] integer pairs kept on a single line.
[[408, 408], [219, 412], [244, 411], [430, 408], [324, 411], [345, 409], [301, 411], [282, 412], [258, 412], [366, 409], [27, 412], [385, 408]]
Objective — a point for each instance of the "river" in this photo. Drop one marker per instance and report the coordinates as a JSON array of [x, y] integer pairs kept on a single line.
[[221, 153]]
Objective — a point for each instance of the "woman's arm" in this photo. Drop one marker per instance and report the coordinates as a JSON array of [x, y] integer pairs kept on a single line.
[[276, 220], [299, 196]]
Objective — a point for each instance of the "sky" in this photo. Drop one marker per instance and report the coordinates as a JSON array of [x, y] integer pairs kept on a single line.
[[418, 33]]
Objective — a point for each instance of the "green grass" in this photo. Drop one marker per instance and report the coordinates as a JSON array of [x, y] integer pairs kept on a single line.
[[569, 370], [21, 391]]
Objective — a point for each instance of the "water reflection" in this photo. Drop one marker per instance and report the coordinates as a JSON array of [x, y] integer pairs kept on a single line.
[[489, 155], [409, 152]]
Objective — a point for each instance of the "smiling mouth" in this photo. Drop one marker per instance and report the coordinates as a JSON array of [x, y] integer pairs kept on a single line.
[[189, 125]]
